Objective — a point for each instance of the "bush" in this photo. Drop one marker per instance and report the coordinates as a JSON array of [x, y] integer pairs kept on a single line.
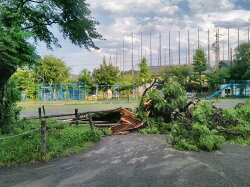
[[9, 111]]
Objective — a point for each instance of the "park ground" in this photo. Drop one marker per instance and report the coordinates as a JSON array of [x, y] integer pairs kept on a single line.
[[132, 160], [31, 108]]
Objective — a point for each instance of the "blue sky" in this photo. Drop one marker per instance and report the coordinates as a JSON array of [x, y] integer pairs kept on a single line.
[[119, 19]]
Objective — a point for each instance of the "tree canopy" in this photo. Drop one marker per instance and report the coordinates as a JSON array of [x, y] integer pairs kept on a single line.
[[240, 69], [178, 73], [200, 61], [52, 70], [106, 74], [37, 16], [144, 76], [33, 19]]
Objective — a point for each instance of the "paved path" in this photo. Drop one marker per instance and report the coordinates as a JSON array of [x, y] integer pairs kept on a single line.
[[136, 160]]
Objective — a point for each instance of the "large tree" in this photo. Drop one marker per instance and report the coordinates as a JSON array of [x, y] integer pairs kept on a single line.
[[240, 69], [36, 17]]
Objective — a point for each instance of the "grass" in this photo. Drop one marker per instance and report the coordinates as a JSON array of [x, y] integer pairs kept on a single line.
[[62, 139]]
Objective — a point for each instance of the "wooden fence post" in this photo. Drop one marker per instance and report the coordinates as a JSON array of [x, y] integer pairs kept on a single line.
[[91, 122], [76, 116], [40, 112], [43, 138], [44, 111]]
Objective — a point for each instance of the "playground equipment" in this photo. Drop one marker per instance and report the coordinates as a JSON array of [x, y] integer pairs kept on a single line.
[[107, 92], [235, 89], [61, 91]]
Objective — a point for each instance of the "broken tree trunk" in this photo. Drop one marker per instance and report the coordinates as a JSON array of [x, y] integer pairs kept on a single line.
[[128, 122]]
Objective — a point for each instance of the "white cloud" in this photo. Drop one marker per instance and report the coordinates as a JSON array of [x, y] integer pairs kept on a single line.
[[118, 19]]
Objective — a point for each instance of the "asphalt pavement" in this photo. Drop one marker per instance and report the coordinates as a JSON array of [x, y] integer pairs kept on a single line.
[[136, 160]]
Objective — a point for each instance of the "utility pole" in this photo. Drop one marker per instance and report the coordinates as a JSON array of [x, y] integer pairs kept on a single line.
[[150, 50], [228, 44], [179, 48], [216, 46], [208, 47], [188, 49], [160, 48], [169, 50], [132, 55], [123, 56], [141, 46]]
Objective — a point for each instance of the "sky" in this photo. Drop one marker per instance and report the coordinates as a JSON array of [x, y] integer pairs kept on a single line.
[[120, 19]]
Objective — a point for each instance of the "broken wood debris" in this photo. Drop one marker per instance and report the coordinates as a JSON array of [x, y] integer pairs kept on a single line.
[[128, 122]]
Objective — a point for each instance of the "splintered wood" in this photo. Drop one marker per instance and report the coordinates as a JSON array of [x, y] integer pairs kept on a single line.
[[128, 121]]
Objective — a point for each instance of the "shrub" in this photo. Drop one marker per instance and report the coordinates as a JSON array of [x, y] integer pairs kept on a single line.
[[9, 111]]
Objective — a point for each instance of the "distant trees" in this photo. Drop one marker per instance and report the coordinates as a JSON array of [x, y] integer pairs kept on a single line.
[[144, 75], [178, 73], [106, 74], [240, 69], [26, 82], [52, 70], [199, 65]]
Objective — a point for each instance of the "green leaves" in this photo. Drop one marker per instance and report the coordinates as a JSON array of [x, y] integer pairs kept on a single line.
[[52, 70], [72, 16], [106, 74], [199, 61], [240, 69], [144, 76]]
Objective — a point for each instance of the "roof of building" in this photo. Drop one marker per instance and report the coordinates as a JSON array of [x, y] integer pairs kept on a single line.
[[224, 63]]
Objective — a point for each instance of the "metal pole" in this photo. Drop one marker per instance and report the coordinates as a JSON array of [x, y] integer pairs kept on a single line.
[[141, 46], [132, 55], [208, 47], [188, 49], [123, 56], [228, 45], [218, 46], [179, 48], [169, 50], [160, 48], [150, 49]]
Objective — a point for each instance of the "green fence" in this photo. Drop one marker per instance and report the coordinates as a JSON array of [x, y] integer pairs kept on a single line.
[[240, 88], [61, 91]]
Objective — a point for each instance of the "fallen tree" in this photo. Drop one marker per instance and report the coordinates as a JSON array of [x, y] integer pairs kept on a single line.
[[192, 125]]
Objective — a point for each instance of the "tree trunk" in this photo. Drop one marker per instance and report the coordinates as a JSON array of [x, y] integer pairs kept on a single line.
[[6, 72]]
